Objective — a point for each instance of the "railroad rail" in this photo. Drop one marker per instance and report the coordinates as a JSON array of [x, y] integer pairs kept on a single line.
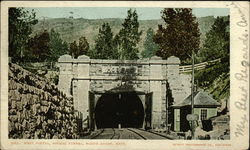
[[159, 134], [105, 134], [137, 134], [148, 134], [97, 134], [127, 133]]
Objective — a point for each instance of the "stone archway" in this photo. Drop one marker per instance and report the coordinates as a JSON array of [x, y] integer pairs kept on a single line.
[[79, 77], [123, 108], [108, 102]]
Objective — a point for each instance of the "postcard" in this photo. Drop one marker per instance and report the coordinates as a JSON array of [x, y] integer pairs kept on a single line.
[[124, 75]]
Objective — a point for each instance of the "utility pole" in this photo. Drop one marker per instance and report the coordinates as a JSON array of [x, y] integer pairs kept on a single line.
[[71, 17], [192, 96]]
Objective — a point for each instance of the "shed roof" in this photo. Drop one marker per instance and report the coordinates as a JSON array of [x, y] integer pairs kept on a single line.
[[200, 99]]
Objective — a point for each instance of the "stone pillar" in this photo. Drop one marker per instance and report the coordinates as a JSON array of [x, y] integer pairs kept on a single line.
[[173, 77], [143, 100], [163, 107], [65, 73], [81, 97], [74, 93], [155, 87], [173, 66]]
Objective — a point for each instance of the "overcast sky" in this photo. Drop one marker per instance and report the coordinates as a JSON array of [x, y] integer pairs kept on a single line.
[[144, 13]]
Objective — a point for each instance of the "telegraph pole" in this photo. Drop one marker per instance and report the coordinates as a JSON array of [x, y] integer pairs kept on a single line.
[[71, 17], [192, 96]]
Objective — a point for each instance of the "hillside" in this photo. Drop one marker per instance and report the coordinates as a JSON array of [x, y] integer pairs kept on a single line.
[[71, 29]]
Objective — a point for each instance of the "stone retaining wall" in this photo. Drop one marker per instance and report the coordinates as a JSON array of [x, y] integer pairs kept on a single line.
[[37, 109]]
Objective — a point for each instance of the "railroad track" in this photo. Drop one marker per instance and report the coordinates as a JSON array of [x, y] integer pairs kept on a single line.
[[127, 133], [105, 134], [115, 135], [148, 134], [158, 134], [137, 133], [96, 135]]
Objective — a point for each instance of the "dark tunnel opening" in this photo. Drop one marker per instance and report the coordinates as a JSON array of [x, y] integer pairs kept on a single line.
[[125, 109]]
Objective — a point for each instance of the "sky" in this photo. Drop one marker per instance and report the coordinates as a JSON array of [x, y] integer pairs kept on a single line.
[[144, 13]]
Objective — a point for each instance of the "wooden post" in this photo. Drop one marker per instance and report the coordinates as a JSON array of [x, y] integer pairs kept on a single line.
[[192, 96]]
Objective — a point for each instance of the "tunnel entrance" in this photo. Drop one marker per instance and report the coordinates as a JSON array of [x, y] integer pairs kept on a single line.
[[123, 108]]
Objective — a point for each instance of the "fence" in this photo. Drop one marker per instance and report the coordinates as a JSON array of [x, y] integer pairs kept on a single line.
[[200, 66]]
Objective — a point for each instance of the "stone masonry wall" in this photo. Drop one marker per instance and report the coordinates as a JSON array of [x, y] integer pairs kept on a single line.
[[83, 75], [37, 109], [180, 84]]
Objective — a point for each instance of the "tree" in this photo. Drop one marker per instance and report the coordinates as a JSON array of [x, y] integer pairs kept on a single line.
[[57, 46], [83, 46], [39, 46], [73, 49], [104, 47], [181, 35], [150, 47], [20, 27], [128, 37], [217, 44], [81, 49], [216, 78]]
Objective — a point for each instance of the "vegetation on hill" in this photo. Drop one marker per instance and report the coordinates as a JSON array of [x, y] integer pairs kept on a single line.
[[150, 47], [45, 46], [126, 41], [81, 48], [71, 29], [180, 36], [38, 47], [104, 44], [205, 24], [123, 45], [20, 27], [58, 47], [215, 79]]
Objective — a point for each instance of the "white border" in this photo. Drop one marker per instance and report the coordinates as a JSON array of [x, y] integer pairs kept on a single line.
[[238, 11]]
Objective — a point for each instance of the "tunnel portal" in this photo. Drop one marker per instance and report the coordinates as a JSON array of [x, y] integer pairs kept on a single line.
[[91, 81], [124, 108]]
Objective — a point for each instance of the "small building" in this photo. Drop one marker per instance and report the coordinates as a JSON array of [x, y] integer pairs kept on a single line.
[[204, 106]]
